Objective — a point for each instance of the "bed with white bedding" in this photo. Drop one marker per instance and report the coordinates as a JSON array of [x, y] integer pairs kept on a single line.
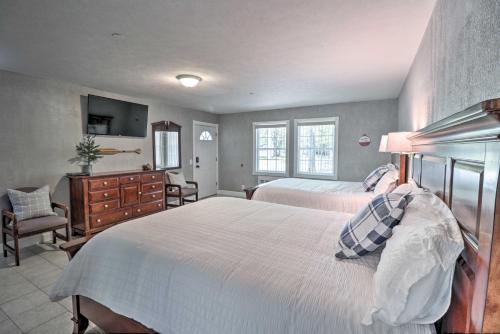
[[226, 265], [340, 196]]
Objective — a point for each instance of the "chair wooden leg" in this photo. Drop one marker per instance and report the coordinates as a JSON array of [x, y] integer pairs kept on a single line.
[[16, 249], [4, 242], [54, 237], [68, 236], [196, 197]]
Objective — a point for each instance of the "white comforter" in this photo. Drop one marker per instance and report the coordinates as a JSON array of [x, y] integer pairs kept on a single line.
[[226, 265], [340, 196]]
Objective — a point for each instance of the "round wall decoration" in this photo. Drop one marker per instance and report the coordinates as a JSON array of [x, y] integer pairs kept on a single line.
[[364, 140]]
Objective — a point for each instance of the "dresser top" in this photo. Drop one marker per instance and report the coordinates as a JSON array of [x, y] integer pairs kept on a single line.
[[114, 173]]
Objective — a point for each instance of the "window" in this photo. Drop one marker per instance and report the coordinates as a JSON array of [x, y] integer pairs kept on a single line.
[[205, 135], [270, 151], [316, 147]]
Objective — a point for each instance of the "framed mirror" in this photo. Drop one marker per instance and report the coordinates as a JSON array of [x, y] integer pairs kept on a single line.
[[166, 145]]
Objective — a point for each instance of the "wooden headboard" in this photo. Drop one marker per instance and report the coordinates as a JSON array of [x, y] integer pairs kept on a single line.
[[458, 159]]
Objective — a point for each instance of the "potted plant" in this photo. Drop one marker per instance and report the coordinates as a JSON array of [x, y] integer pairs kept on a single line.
[[88, 153]]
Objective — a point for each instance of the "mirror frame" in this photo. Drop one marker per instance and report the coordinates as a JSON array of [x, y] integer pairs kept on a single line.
[[166, 126]]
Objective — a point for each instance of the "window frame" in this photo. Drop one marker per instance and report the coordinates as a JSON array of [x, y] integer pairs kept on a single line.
[[255, 126], [297, 123]]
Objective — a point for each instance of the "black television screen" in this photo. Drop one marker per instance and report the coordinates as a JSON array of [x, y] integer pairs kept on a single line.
[[110, 117]]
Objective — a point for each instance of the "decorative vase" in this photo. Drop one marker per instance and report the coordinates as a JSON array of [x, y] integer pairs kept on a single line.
[[87, 169]]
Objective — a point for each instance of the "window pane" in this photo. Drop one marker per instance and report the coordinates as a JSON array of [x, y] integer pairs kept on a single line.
[[270, 149], [316, 148], [167, 149]]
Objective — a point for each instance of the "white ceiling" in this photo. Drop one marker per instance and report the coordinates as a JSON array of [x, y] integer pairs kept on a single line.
[[286, 52]]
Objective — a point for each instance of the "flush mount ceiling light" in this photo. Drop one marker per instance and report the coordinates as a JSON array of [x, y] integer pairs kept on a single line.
[[188, 80]]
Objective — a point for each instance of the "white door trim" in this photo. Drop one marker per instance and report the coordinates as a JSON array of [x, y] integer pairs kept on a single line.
[[216, 148]]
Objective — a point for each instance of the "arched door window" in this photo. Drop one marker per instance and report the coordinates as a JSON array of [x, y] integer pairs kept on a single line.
[[205, 135]]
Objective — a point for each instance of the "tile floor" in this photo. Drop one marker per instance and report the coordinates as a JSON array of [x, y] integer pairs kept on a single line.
[[24, 302]]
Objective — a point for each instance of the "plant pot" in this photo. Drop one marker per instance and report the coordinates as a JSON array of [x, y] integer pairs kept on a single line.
[[87, 169]]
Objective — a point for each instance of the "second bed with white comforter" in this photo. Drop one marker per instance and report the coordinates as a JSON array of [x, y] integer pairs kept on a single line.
[[226, 265], [343, 196]]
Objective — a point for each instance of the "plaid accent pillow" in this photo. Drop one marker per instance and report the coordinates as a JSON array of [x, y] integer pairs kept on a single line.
[[31, 205], [372, 225], [372, 179]]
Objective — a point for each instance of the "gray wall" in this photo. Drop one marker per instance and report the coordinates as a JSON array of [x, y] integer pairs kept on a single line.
[[457, 64], [41, 122], [373, 118]]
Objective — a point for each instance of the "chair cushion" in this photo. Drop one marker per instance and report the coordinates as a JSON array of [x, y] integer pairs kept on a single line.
[[177, 179], [184, 191], [41, 223], [31, 205]]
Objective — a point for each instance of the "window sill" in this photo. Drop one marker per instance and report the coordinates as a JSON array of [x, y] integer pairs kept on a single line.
[[317, 177], [270, 174]]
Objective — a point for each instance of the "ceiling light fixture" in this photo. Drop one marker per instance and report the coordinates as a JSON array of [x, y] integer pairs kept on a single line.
[[188, 80]]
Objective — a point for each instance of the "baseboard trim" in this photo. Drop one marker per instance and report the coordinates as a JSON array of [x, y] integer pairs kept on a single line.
[[231, 193]]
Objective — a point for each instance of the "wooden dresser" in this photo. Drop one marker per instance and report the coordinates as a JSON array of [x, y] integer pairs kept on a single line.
[[106, 199]]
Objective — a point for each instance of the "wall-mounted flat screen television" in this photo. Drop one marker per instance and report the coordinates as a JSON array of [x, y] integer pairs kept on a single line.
[[110, 117]]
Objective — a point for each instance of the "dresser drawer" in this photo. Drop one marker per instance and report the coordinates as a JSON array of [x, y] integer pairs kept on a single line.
[[153, 177], [110, 218], [148, 208], [152, 187], [104, 195], [101, 184], [151, 197], [104, 206], [130, 179]]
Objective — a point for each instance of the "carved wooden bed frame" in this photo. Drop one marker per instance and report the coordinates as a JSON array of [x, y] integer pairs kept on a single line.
[[457, 158]]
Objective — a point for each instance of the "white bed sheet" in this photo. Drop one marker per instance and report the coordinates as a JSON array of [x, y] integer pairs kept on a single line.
[[340, 196], [227, 265]]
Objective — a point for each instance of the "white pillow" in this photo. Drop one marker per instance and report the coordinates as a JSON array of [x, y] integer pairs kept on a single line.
[[177, 179], [406, 188], [414, 277], [388, 182]]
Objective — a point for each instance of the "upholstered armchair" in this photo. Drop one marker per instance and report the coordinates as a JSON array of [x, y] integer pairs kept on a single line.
[[18, 229], [180, 191]]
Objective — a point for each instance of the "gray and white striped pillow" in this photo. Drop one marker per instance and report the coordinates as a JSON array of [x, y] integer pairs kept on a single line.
[[31, 205], [372, 179], [371, 226]]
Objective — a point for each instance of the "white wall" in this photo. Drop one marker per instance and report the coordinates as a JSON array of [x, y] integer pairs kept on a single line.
[[373, 118], [41, 122]]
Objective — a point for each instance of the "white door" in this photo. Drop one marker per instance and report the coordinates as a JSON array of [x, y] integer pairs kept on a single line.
[[205, 158]]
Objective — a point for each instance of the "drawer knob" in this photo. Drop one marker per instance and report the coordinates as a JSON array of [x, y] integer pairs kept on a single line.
[[98, 220], [159, 204], [140, 192], [153, 187], [105, 183], [138, 210], [106, 205], [106, 195], [131, 179], [126, 213], [153, 196], [153, 177]]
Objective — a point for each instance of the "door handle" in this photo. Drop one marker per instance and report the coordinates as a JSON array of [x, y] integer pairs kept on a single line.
[[197, 166]]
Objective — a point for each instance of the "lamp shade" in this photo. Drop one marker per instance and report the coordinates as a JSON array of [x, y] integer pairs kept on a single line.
[[383, 144], [398, 142]]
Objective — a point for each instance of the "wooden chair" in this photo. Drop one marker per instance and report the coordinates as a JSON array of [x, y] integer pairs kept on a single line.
[[28, 227], [176, 191]]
